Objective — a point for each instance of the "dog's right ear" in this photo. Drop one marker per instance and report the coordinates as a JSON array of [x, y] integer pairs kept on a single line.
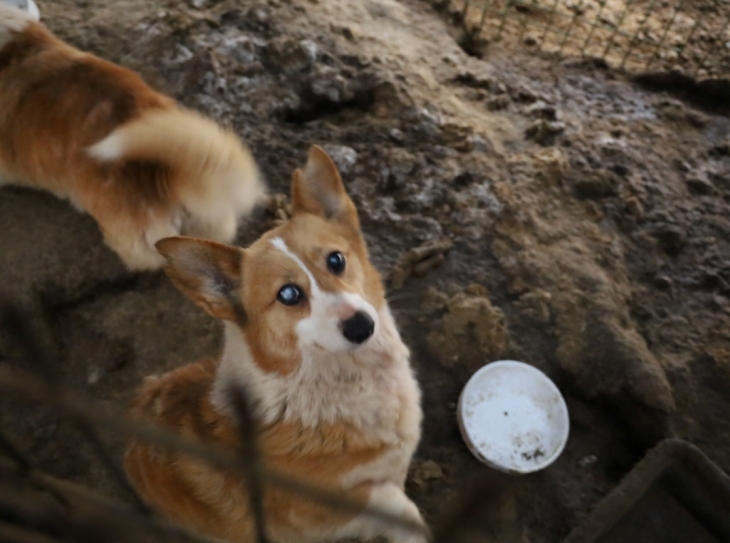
[[208, 273], [318, 189]]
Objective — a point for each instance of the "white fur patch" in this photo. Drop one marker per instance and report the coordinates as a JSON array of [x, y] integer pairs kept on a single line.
[[108, 149], [12, 21], [391, 498], [281, 245], [365, 386], [322, 327]]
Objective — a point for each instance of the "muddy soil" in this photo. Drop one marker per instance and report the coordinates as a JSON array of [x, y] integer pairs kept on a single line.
[[521, 207]]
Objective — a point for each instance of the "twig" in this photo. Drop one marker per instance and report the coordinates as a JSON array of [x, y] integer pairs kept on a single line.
[[89, 518], [13, 534], [103, 454], [250, 460], [25, 466], [24, 332], [26, 386], [11, 450]]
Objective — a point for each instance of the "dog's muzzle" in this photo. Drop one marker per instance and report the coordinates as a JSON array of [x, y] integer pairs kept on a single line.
[[358, 328]]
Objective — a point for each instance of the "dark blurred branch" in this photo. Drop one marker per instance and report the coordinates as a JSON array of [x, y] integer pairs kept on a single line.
[[250, 460], [26, 386], [34, 345]]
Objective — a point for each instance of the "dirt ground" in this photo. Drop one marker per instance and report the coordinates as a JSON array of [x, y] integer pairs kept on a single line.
[[588, 219]]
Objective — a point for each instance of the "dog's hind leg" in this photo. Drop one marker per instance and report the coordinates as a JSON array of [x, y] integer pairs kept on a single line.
[[133, 235]]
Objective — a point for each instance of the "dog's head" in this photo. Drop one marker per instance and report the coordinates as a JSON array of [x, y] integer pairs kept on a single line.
[[307, 284]]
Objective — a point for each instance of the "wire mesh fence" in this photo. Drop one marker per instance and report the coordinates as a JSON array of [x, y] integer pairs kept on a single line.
[[689, 36]]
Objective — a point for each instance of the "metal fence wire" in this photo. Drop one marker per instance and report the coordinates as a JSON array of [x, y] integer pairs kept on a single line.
[[689, 36]]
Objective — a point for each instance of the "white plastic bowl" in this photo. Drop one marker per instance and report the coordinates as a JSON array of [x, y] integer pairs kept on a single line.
[[513, 417]]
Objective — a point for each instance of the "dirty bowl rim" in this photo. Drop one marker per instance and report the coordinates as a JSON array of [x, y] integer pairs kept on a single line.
[[548, 383]]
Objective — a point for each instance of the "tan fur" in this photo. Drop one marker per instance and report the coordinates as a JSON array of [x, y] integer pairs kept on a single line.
[[344, 418], [94, 132]]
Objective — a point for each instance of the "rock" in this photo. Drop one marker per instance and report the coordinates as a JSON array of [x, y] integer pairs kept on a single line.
[[698, 183], [291, 55], [428, 122], [541, 131], [535, 306], [344, 157], [396, 169], [346, 31], [542, 110], [476, 81], [552, 164], [419, 261], [671, 237], [396, 135], [594, 184], [329, 85], [587, 460], [499, 102], [425, 471], [472, 326], [457, 136]]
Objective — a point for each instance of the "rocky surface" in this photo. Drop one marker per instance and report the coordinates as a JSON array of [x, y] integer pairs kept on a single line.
[[586, 219]]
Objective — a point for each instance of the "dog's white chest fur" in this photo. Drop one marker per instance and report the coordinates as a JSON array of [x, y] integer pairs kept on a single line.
[[372, 388]]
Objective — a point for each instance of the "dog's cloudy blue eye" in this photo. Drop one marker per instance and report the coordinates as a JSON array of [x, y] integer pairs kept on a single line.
[[290, 295], [336, 262]]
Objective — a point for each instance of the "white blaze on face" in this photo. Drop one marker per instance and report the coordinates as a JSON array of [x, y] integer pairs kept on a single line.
[[327, 310]]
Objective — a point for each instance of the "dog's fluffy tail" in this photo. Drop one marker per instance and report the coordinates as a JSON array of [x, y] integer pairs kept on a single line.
[[213, 175], [13, 20]]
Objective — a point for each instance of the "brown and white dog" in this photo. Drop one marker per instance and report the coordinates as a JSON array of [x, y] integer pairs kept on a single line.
[[309, 334], [95, 133]]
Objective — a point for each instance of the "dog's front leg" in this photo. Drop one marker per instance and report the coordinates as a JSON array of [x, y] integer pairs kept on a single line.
[[388, 497]]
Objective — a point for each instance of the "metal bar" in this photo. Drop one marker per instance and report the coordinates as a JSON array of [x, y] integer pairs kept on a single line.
[[26, 386], [247, 430], [99, 508], [25, 466], [10, 533], [116, 472], [664, 35], [26, 336], [12, 451]]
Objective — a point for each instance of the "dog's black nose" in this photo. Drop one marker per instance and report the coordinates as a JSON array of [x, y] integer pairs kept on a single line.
[[358, 328]]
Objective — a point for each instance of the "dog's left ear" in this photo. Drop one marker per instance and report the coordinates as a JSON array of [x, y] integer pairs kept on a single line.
[[208, 273], [318, 189]]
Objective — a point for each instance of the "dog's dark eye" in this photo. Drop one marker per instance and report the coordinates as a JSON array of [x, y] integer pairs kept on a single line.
[[290, 295], [336, 262]]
